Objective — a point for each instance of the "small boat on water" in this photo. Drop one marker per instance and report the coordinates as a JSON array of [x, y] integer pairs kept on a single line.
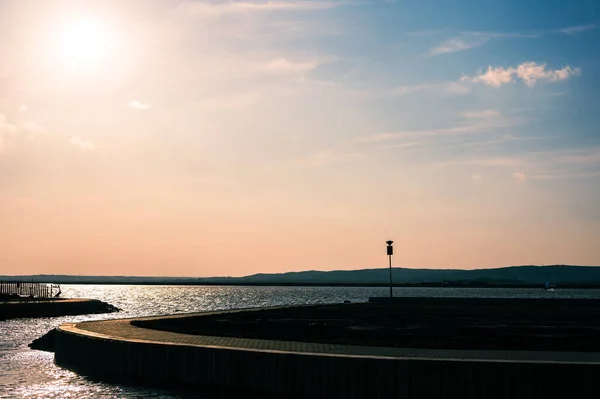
[[547, 285]]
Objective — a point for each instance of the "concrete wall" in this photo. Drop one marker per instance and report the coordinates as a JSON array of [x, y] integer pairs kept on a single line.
[[244, 372]]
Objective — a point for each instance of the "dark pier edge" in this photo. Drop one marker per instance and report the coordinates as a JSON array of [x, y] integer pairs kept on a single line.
[[120, 351], [12, 309]]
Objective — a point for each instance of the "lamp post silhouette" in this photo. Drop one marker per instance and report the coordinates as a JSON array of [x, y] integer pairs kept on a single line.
[[390, 252]]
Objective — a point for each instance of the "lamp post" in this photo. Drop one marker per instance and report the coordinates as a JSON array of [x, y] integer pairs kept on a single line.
[[390, 252]]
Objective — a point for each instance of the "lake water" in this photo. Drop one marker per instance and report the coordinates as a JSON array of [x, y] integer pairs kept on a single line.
[[26, 373]]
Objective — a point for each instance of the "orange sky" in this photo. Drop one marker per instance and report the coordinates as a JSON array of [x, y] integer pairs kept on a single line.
[[207, 139]]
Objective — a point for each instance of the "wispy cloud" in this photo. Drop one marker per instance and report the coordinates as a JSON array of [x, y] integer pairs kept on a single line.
[[487, 113], [583, 156], [422, 33], [404, 145], [459, 43], [469, 40], [477, 178], [233, 7], [81, 143], [283, 65], [423, 133], [456, 88], [474, 122], [519, 176], [230, 102], [572, 30], [138, 105], [507, 138], [5, 126], [565, 175], [494, 161], [543, 165], [6, 131], [528, 72], [332, 156]]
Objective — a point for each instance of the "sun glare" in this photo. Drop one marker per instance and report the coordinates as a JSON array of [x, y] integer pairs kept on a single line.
[[84, 43]]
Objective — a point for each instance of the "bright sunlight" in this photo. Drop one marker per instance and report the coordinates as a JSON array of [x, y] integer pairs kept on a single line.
[[84, 43]]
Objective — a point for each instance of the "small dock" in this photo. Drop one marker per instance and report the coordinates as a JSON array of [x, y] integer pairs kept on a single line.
[[23, 289]]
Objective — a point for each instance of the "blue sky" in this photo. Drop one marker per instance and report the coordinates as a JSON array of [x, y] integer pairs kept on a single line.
[[154, 133]]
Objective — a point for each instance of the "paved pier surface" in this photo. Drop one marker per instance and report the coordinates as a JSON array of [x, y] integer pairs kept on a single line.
[[121, 349], [123, 329], [425, 323]]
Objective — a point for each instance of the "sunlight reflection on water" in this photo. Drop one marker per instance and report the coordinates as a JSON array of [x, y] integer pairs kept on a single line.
[[26, 373]]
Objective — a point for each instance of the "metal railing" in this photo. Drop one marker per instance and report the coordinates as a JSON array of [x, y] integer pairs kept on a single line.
[[28, 289]]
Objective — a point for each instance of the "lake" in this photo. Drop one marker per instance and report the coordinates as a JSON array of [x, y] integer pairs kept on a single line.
[[26, 373]]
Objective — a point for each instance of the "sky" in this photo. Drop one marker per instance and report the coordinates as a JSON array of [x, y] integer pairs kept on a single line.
[[214, 138]]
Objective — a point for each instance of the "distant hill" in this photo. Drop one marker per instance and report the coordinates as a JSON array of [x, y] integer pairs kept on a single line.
[[522, 275], [508, 275]]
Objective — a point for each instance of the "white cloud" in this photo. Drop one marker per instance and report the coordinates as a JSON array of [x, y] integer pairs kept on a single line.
[[492, 77], [519, 176], [488, 113], [528, 72], [138, 105], [456, 44], [82, 144]]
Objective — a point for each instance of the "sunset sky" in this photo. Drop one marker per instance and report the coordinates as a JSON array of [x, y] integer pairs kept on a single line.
[[210, 138]]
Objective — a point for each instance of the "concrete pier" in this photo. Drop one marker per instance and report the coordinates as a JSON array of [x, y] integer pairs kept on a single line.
[[11, 309], [125, 350]]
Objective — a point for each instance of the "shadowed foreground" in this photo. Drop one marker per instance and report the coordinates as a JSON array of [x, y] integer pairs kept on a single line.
[[352, 350]]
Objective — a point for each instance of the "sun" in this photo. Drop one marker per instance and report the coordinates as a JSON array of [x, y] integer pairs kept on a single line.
[[84, 42]]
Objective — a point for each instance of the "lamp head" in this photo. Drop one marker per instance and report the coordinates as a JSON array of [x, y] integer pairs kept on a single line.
[[390, 242]]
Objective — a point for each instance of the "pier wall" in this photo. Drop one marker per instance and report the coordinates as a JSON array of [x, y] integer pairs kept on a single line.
[[52, 308], [294, 374]]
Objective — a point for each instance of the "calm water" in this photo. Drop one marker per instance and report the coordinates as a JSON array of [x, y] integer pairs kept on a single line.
[[25, 373]]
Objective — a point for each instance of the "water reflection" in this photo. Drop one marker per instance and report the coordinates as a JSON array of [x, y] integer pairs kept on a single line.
[[26, 373]]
